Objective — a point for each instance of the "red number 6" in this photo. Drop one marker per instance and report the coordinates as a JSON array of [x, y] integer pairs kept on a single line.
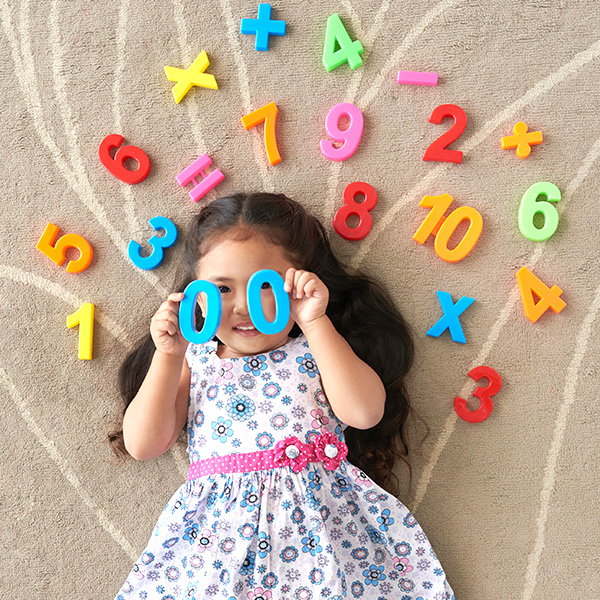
[[483, 393], [116, 165]]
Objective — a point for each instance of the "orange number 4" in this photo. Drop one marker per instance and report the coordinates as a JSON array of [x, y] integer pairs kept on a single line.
[[529, 285]]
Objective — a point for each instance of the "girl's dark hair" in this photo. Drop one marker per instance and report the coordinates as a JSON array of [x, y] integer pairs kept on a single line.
[[359, 307]]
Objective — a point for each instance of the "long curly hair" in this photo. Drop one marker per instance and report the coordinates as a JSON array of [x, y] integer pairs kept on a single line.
[[359, 307]]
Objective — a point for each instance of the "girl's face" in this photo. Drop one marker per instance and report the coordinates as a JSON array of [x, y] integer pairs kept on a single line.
[[229, 265]]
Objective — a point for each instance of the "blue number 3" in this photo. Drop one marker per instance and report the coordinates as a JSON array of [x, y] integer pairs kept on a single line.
[[158, 244]]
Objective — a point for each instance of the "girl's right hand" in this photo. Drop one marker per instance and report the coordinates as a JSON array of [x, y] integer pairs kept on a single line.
[[164, 327]]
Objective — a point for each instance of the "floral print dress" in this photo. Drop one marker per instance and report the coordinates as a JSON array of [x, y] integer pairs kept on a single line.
[[303, 531]]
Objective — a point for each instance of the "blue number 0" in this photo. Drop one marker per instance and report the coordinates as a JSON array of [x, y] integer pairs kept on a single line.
[[282, 302], [214, 307], [158, 244], [187, 312]]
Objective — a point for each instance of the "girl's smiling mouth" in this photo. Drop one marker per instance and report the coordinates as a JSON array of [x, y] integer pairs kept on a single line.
[[246, 329]]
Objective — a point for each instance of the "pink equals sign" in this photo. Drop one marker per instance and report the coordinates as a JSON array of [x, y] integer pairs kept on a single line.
[[417, 78]]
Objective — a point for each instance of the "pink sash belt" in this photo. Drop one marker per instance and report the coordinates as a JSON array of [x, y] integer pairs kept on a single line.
[[291, 452]]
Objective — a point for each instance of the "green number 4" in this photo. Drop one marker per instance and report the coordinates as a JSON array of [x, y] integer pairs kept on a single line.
[[348, 51]]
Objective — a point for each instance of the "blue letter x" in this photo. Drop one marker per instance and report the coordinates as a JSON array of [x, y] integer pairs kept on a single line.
[[450, 319], [263, 27]]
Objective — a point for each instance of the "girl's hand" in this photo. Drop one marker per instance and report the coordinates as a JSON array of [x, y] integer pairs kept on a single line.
[[164, 327], [309, 296]]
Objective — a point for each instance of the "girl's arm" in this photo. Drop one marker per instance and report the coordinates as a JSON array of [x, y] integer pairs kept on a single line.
[[353, 388], [156, 415]]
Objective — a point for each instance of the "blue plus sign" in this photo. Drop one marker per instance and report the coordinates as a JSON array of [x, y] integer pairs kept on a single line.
[[263, 27]]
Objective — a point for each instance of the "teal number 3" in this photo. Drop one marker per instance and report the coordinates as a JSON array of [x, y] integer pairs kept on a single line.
[[158, 245]]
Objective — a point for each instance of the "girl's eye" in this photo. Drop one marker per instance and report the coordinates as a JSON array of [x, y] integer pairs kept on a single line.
[[265, 286], [224, 289]]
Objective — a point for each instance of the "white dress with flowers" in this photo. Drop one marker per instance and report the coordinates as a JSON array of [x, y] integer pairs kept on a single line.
[[277, 534]]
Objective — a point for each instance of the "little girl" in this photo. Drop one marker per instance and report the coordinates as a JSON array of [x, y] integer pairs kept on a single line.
[[291, 436]]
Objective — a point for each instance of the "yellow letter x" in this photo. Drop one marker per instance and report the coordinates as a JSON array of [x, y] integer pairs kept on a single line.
[[188, 78]]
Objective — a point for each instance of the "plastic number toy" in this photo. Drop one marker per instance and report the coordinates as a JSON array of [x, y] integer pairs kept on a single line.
[[351, 207], [337, 36], [530, 206], [417, 78], [187, 312], [158, 244], [450, 318], [529, 284], [263, 27], [188, 78], [214, 307], [483, 393], [443, 227], [116, 165], [198, 167], [84, 317], [57, 253], [438, 150], [350, 136], [522, 140], [268, 114], [282, 302]]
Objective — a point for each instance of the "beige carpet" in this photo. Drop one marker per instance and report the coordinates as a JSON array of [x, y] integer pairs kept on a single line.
[[511, 504]]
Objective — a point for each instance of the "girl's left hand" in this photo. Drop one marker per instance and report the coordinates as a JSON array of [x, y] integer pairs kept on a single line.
[[309, 296]]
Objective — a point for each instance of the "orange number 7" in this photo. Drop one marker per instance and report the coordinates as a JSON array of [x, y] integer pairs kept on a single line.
[[268, 114]]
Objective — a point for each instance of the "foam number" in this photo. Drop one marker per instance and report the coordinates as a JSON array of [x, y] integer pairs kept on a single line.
[[438, 150], [531, 206], [57, 252], [350, 136], [483, 393], [268, 115], [187, 312], [529, 285], [349, 51], [158, 244], [444, 227], [116, 165], [84, 317], [254, 299], [361, 209]]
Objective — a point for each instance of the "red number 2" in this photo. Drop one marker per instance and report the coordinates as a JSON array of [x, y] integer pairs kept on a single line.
[[483, 393], [438, 150]]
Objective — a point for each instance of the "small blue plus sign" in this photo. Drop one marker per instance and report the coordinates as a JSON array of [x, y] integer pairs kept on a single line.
[[263, 27]]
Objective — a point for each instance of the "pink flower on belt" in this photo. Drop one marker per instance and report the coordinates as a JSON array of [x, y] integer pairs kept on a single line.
[[291, 451], [330, 450]]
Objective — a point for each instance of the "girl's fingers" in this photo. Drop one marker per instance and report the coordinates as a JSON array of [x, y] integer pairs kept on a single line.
[[288, 280], [170, 327], [297, 288], [308, 283], [310, 287], [176, 297]]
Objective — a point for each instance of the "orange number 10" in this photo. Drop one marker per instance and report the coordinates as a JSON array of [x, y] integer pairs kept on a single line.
[[442, 227]]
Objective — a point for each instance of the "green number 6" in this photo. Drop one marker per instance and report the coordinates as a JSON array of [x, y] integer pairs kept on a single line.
[[530, 207]]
